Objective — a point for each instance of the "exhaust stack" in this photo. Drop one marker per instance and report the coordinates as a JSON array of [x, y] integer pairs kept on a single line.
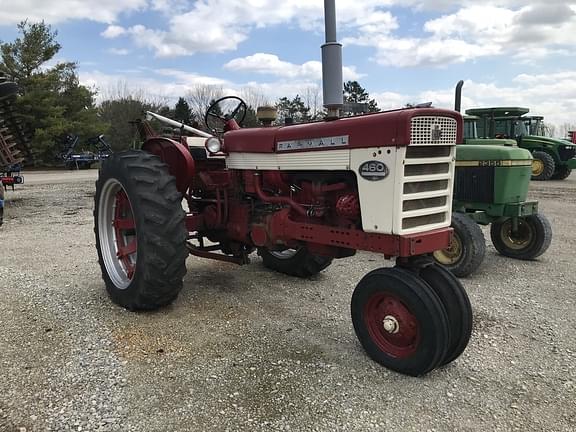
[[332, 81], [458, 96]]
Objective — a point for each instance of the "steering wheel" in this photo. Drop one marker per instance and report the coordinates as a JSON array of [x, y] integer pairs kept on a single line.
[[225, 110]]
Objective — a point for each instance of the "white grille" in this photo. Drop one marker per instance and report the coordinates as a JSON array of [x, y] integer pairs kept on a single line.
[[428, 175], [426, 130]]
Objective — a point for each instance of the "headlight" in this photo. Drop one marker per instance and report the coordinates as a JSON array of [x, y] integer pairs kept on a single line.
[[213, 145]]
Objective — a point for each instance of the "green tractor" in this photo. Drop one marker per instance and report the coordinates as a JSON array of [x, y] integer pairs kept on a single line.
[[554, 158], [490, 188]]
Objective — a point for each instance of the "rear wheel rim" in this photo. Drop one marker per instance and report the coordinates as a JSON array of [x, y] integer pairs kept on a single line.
[[452, 254], [537, 167], [117, 233], [391, 325], [520, 239]]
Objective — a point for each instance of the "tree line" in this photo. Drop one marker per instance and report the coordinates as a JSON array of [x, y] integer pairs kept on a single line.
[[53, 104]]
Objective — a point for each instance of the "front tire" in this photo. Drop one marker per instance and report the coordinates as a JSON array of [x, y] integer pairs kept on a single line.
[[400, 321], [543, 166], [294, 262], [457, 305], [467, 248], [531, 240], [140, 231]]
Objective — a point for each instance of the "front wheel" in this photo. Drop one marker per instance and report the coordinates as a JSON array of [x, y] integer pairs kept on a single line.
[[400, 321], [466, 250], [294, 262], [457, 305], [140, 231], [530, 240]]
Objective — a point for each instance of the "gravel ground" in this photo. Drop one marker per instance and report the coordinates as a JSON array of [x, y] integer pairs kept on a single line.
[[245, 349]]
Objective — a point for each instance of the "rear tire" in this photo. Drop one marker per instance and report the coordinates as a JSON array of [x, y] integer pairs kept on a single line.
[[457, 305], [400, 321], [294, 262], [532, 239], [467, 249], [140, 231], [543, 166], [562, 173]]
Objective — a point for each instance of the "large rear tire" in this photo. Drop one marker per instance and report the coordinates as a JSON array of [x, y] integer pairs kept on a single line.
[[531, 240], [457, 305], [140, 231], [400, 321], [543, 166], [294, 262], [562, 173], [467, 248]]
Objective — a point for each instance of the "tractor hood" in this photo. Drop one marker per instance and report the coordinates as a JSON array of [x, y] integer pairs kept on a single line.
[[384, 129], [491, 141], [491, 153], [547, 141]]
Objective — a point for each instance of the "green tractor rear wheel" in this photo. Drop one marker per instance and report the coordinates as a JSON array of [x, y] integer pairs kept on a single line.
[[530, 240], [543, 166], [562, 173], [467, 249]]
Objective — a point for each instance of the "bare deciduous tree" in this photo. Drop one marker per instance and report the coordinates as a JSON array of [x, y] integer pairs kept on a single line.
[[200, 97], [564, 128], [313, 100], [254, 97]]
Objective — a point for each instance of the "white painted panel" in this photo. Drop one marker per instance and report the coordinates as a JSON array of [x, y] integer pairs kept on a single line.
[[322, 160], [377, 198]]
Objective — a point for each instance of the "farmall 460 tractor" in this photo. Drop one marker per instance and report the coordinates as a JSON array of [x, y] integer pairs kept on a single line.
[[301, 196]]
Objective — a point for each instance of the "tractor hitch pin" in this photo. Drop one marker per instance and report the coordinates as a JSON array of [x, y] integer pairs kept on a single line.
[[391, 324]]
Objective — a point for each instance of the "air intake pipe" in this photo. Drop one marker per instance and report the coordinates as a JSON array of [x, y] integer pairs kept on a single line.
[[332, 81]]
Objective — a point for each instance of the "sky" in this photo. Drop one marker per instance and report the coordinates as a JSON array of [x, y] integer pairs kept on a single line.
[[508, 52]]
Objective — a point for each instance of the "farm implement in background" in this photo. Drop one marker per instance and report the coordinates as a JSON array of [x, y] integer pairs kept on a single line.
[[14, 148], [84, 159]]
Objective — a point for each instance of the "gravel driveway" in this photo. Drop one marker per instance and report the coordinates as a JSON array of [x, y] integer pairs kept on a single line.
[[245, 349]]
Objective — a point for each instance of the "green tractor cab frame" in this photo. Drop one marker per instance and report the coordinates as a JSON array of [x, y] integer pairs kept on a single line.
[[553, 158], [492, 177]]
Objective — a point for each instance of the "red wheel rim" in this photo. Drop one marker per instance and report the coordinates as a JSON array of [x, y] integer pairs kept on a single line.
[[125, 230], [392, 327]]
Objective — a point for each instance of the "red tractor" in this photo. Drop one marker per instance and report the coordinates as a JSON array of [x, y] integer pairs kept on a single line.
[[301, 196]]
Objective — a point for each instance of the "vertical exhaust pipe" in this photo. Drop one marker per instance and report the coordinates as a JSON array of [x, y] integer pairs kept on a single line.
[[332, 81], [458, 96]]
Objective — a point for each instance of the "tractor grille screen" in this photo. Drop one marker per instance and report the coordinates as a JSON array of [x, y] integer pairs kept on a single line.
[[426, 130], [474, 184], [428, 174]]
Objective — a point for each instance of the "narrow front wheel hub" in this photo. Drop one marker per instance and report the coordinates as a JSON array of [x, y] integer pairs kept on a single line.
[[391, 324]]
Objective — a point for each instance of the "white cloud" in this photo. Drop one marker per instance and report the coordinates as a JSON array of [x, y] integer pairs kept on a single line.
[[56, 11], [526, 33], [113, 31], [221, 25], [271, 64]]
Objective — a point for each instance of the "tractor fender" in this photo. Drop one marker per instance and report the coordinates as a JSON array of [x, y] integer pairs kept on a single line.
[[176, 156]]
